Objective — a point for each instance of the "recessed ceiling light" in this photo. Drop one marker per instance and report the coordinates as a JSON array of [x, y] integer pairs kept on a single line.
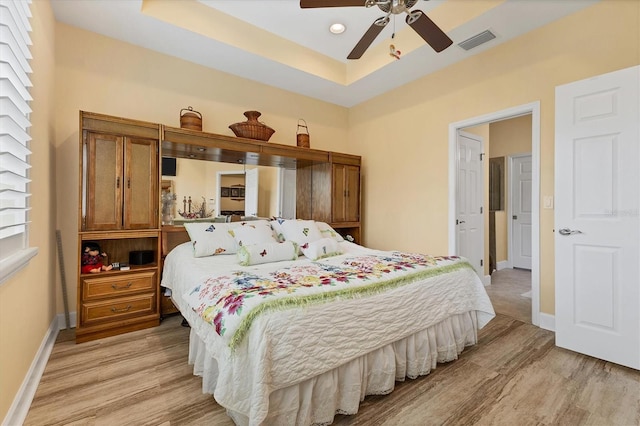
[[337, 28]]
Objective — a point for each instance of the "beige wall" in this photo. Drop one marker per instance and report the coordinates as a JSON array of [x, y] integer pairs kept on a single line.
[[403, 135], [27, 300]]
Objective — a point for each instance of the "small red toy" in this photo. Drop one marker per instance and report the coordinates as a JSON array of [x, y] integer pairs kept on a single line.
[[92, 259]]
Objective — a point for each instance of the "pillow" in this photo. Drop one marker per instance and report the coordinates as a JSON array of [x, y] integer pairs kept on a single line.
[[209, 239], [324, 247], [255, 254], [328, 232], [301, 231], [254, 232], [276, 225]]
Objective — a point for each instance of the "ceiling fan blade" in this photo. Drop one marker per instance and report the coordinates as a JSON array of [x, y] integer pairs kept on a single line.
[[428, 30], [304, 4], [368, 37]]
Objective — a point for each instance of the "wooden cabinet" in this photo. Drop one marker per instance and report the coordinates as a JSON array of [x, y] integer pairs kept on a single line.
[[327, 183], [330, 192], [121, 182], [346, 193], [119, 211], [111, 297]]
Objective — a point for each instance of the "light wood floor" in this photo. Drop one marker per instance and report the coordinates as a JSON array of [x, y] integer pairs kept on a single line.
[[506, 293], [514, 376]]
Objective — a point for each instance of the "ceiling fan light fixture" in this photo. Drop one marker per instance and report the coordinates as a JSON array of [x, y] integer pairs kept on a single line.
[[337, 28]]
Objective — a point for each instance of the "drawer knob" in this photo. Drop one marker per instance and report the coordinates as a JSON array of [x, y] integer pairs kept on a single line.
[[128, 308], [115, 286]]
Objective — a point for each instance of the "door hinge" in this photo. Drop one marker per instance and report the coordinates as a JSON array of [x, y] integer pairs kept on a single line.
[[480, 210], [481, 262], [481, 156]]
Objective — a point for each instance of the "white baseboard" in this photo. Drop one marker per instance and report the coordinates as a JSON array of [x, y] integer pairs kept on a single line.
[[503, 264], [486, 280], [547, 321], [62, 322], [22, 401]]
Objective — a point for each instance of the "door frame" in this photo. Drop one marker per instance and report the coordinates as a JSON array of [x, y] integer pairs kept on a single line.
[[532, 108], [511, 157], [219, 175]]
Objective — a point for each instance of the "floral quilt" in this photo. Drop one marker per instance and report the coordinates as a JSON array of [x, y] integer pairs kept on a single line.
[[231, 301]]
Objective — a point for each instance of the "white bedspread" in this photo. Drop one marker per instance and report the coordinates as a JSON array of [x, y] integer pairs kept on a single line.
[[287, 347]]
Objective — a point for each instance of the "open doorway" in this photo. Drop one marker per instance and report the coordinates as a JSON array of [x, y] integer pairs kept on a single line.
[[533, 110]]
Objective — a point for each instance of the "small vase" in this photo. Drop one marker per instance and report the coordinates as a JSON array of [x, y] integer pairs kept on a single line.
[[252, 128]]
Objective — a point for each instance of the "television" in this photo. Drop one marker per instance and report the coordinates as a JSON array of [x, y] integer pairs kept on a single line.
[[168, 166]]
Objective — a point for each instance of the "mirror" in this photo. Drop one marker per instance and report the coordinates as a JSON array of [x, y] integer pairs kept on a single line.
[[203, 182]]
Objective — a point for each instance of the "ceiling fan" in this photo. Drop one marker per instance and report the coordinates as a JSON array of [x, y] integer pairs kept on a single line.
[[416, 19]]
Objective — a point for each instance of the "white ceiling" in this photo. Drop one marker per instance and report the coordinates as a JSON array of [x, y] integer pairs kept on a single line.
[[311, 61]]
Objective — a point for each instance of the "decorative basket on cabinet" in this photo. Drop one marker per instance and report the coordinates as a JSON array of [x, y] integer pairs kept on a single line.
[[252, 128]]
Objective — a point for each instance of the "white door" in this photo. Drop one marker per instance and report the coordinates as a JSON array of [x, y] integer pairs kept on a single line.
[[287, 193], [251, 192], [469, 194], [521, 172], [597, 216]]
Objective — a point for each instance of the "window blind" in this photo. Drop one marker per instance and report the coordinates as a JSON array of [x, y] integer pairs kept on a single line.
[[14, 131]]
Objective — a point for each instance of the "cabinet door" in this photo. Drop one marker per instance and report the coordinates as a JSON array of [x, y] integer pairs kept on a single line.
[[352, 202], [346, 193], [339, 193], [103, 174], [141, 184]]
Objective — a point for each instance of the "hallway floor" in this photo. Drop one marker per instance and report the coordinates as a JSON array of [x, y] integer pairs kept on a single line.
[[506, 293]]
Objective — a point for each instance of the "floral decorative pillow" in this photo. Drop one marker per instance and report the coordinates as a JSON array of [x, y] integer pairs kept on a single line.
[[328, 232], [319, 249], [253, 232], [209, 239], [255, 254], [301, 231]]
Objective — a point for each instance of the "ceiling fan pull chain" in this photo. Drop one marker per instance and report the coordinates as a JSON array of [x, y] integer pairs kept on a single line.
[[393, 34], [393, 52]]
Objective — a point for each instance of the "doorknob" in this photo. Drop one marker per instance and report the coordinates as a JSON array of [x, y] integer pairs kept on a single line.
[[567, 231]]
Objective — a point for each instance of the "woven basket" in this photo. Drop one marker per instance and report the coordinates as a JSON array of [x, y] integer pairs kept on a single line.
[[190, 119], [252, 128], [302, 134]]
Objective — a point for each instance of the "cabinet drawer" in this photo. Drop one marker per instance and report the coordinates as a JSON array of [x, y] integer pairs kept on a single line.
[[117, 285], [120, 308]]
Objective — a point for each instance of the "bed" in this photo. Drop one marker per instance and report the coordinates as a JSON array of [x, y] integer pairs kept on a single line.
[[291, 324]]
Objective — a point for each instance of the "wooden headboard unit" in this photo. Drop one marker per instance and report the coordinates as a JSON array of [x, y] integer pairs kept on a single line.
[[173, 236]]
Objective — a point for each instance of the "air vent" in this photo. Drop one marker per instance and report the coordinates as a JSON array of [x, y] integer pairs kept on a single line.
[[477, 40]]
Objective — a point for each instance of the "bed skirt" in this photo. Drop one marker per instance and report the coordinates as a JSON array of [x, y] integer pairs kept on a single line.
[[339, 391]]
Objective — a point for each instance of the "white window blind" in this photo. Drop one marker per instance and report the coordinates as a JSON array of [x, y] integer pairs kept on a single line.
[[14, 135]]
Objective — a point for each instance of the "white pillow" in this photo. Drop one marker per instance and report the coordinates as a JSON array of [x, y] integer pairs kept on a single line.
[[324, 247], [254, 232], [276, 225], [328, 232], [210, 239], [301, 231], [254, 254]]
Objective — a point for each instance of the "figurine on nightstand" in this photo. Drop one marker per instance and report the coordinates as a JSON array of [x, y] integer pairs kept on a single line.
[[92, 258]]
